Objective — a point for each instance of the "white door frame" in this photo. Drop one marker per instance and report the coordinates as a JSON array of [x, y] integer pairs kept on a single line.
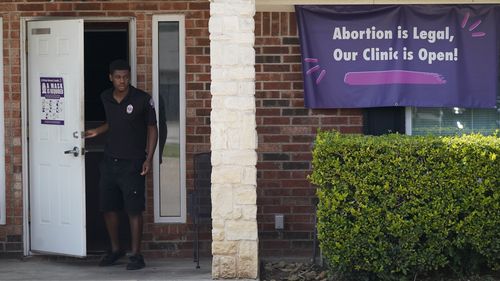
[[24, 102]]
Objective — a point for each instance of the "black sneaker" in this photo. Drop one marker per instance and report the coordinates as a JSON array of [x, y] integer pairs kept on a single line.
[[110, 258], [136, 262]]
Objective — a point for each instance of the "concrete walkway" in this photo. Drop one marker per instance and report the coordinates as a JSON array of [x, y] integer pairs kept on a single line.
[[42, 268]]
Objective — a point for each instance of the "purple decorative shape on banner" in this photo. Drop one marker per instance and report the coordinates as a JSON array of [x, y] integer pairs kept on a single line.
[[465, 20], [321, 76], [311, 60], [478, 34], [474, 25], [393, 77], [311, 70]]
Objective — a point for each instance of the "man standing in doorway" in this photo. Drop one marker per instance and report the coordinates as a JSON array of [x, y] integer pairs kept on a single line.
[[131, 137]]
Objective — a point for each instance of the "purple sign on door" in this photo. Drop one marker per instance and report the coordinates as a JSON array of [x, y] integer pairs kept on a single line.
[[390, 55], [52, 94]]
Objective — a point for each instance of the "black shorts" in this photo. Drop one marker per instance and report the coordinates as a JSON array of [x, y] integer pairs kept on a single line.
[[121, 185]]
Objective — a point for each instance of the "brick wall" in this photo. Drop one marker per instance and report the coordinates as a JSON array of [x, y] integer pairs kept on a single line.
[[286, 131], [159, 239]]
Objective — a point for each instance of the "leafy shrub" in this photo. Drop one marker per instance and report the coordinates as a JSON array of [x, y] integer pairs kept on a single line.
[[394, 206]]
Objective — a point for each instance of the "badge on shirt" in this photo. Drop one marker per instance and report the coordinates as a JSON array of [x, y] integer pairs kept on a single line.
[[130, 108], [152, 103]]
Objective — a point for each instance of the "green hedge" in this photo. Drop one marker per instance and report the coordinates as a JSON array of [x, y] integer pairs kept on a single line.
[[394, 206]]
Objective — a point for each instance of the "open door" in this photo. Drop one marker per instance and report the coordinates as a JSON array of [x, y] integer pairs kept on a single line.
[[56, 125]]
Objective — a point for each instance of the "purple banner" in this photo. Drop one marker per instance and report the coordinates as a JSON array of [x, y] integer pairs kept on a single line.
[[408, 55]]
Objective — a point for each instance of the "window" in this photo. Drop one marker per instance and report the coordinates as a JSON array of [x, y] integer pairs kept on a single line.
[[452, 121], [169, 96], [2, 134]]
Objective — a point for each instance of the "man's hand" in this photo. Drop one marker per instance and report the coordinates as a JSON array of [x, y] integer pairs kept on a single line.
[[146, 167], [97, 131], [91, 133]]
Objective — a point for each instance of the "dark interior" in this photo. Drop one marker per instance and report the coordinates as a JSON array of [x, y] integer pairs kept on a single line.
[[383, 120], [104, 42]]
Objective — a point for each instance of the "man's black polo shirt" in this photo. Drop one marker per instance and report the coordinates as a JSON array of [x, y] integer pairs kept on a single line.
[[128, 122]]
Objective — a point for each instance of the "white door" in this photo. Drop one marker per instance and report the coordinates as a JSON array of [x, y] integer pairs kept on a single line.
[[56, 125]]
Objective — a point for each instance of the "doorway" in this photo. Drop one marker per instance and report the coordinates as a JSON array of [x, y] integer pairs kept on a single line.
[[103, 43]]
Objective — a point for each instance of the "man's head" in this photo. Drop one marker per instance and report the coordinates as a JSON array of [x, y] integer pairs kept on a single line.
[[118, 65], [119, 74]]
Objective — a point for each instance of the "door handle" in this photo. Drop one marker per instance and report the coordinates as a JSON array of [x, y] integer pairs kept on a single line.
[[75, 151]]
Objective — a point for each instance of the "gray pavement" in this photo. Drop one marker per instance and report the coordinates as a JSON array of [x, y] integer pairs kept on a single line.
[[40, 268]]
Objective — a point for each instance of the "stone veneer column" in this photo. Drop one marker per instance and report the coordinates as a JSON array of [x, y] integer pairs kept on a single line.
[[233, 139]]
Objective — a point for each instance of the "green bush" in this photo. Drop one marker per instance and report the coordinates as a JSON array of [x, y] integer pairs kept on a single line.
[[394, 206]]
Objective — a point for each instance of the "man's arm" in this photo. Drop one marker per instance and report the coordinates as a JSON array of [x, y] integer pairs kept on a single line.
[[97, 131], [150, 149]]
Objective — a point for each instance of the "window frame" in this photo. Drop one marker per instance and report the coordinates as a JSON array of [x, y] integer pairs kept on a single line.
[[182, 116]]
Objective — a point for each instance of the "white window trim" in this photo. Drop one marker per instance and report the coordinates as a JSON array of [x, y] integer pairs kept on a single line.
[[182, 104], [2, 134], [408, 121]]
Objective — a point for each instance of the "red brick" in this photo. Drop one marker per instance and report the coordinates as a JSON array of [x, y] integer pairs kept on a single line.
[[303, 138], [355, 120], [351, 130], [199, 6], [268, 112], [268, 77], [275, 50], [261, 41], [277, 86], [115, 6], [302, 209], [303, 192], [335, 120], [277, 209], [31, 7], [276, 68], [277, 138], [284, 18], [267, 94], [292, 95], [295, 130], [303, 226], [144, 6], [91, 14], [301, 157], [275, 244], [293, 24], [194, 51], [266, 23], [347, 111], [275, 24], [305, 121], [87, 6], [292, 77], [325, 111], [297, 103]]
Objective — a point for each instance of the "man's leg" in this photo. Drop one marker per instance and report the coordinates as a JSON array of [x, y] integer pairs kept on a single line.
[[134, 199], [136, 232], [112, 223], [136, 259]]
